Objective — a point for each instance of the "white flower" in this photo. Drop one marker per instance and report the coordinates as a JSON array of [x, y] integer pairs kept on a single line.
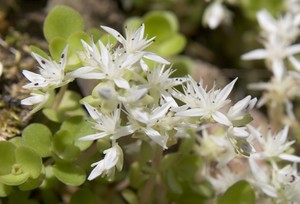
[[52, 74], [37, 99], [275, 52], [107, 125], [135, 43], [111, 67], [207, 105], [146, 120], [285, 28], [215, 14], [273, 145], [262, 178], [223, 179], [241, 108], [113, 159]]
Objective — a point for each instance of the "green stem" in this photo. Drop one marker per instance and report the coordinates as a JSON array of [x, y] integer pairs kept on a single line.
[[59, 97], [145, 196]]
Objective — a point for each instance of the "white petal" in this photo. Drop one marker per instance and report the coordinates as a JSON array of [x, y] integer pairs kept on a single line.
[[278, 69], [154, 57], [97, 171], [266, 21], [295, 62], [123, 131], [291, 50], [156, 137], [94, 136], [225, 91], [221, 118], [114, 33], [93, 112], [111, 158], [63, 57], [289, 157], [191, 112], [255, 54], [122, 83], [31, 76]]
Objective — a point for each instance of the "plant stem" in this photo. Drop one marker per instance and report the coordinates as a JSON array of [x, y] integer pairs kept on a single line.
[[59, 97], [145, 196]]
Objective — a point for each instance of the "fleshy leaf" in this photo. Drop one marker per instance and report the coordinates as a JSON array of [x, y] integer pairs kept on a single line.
[[63, 146], [14, 180], [38, 137], [7, 158], [69, 174], [78, 128], [56, 47], [38, 51], [5, 190], [172, 45], [62, 21], [162, 24], [31, 184], [130, 196], [237, 194], [173, 182], [29, 161]]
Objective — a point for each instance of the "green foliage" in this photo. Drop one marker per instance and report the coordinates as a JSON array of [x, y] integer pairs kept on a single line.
[[38, 137], [62, 21], [239, 193], [68, 173]]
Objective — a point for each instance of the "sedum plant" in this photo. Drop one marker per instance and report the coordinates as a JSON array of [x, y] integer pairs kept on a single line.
[[143, 135]]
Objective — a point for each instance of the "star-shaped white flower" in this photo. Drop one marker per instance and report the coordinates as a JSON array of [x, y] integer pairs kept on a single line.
[[112, 160], [107, 125], [273, 145], [146, 120], [52, 74], [134, 42], [36, 99], [207, 104]]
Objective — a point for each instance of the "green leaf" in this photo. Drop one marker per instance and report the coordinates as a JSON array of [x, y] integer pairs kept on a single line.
[[173, 182], [133, 22], [62, 21], [70, 101], [38, 137], [187, 145], [31, 184], [17, 141], [162, 24], [39, 51], [136, 177], [79, 127], [5, 190], [69, 174], [63, 146], [183, 66], [7, 158], [56, 47], [29, 161], [172, 46], [130, 196], [169, 160], [83, 195], [146, 153], [13, 179], [239, 193], [53, 115]]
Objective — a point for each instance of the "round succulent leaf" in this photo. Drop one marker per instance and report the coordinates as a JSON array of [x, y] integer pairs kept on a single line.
[[169, 160], [130, 196], [83, 195], [14, 179], [56, 47], [133, 23], [237, 194], [172, 46], [162, 24], [173, 182], [38, 51], [146, 153], [79, 127], [63, 146], [70, 174], [7, 159], [31, 183], [17, 141], [62, 21], [136, 177], [53, 115], [183, 66], [95, 33], [70, 101], [5, 190], [38, 137], [29, 161], [106, 38]]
